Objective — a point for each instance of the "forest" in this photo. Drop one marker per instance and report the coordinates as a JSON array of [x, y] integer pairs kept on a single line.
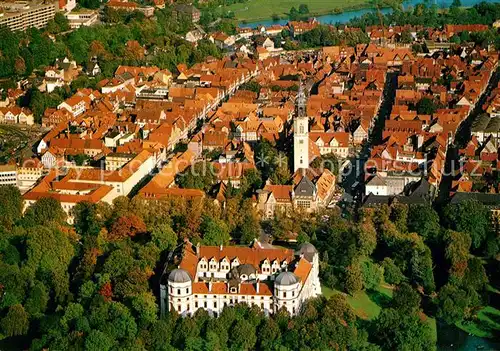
[[94, 285]]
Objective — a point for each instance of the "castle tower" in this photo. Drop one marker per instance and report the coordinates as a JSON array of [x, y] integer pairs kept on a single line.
[[301, 133]]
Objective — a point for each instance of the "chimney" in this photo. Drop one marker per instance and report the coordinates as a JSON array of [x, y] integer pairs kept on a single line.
[[257, 286], [210, 286], [220, 247], [198, 249]]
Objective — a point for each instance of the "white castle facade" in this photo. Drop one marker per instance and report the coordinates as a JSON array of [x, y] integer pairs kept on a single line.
[[212, 277]]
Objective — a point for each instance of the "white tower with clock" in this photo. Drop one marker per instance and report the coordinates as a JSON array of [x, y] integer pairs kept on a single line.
[[301, 133]]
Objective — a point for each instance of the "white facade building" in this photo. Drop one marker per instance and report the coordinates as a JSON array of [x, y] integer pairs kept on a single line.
[[8, 175], [212, 277], [301, 134]]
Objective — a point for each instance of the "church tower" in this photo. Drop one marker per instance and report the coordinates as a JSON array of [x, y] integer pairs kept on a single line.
[[301, 133]]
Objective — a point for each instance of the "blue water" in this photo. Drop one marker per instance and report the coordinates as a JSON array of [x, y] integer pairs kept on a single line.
[[348, 15]]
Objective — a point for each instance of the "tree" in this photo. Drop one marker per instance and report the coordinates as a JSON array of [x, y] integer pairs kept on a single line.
[[457, 252], [214, 231], [303, 9], [354, 279], [406, 37], [406, 299], [392, 273], [49, 253], [251, 181], [98, 341], [372, 275], [199, 176], [144, 306], [44, 211], [399, 216], [377, 4], [126, 226], [327, 161], [397, 330], [455, 304], [456, 4], [87, 220], [470, 217], [249, 229], [426, 106], [423, 220], [421, 267], [10, 205], [37, 300], [16, 322], [163, 236]]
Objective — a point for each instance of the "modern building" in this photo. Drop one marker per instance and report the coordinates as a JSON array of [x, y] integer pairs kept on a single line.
[[21, 15], [81, 18], [8, 175], [212, 277]]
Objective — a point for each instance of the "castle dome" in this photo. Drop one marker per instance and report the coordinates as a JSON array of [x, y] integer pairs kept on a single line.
[[286, 279], [179, 276], [308, 250]]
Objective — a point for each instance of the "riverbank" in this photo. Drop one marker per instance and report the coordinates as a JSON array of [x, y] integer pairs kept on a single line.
[[262, 10], [330, 15]]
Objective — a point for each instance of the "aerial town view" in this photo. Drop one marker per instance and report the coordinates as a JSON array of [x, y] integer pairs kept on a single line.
[[249, 175]]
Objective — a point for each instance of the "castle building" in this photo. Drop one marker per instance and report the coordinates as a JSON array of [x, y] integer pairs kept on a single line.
[[212, 277], [301, 133]]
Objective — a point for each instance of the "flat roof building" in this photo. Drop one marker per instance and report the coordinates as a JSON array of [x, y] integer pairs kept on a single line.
[[21, 15]]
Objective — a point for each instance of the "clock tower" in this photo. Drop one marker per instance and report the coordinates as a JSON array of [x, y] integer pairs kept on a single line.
[[300, 133]]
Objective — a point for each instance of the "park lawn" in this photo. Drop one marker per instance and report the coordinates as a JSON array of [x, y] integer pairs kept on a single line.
[[366, 305], [486, 325], [254, 10]]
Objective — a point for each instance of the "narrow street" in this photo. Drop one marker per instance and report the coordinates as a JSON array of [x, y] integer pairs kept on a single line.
[[356, 173], [462, 137]]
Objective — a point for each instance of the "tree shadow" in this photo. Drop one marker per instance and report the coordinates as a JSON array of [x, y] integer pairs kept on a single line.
[[379, 298], [494, 318]]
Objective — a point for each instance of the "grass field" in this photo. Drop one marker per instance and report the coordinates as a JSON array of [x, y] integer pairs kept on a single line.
[[366, 304], [486, 325], [254, 10]]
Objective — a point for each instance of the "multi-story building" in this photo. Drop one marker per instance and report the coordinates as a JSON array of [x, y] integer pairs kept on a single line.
[[28, 174], [8, 175], [81, 18], [212, 277], [187, 10], [21, 15]]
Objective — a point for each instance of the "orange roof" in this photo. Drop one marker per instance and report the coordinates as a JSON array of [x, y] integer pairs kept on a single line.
[[303, 269]]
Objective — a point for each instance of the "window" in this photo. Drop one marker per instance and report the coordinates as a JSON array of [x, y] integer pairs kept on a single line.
[[303, 203], [205, 304], [284, 294], [196, 304], [187, 290], [178, 291], [293, 293], [179, 308], [215, 304]]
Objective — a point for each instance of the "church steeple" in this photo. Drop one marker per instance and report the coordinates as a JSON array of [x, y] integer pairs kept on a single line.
[[301, 132]]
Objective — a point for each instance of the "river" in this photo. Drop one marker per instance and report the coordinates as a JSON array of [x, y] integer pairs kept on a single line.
[[451, 338], [348, 15]]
